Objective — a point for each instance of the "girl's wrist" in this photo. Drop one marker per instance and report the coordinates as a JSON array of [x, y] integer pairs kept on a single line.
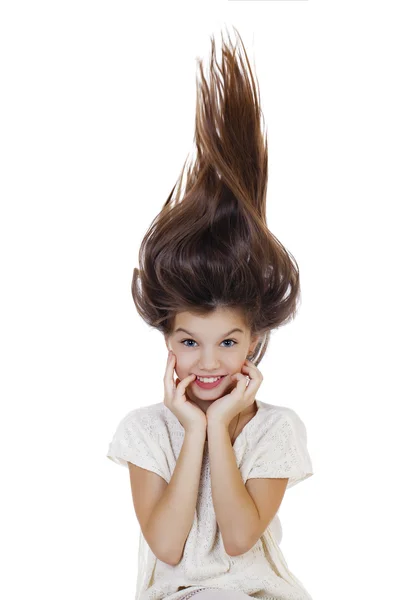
[[197, 432], [216, 423]]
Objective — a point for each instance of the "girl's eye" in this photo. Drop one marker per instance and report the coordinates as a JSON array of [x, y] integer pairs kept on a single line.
[[190, 340], [183, 342], [230, 341]]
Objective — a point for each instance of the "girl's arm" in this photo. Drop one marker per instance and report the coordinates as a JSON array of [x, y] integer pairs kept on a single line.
[[172, 518], [236, 513]]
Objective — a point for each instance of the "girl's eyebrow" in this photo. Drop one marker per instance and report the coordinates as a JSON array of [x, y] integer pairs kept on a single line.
[[226, 334]]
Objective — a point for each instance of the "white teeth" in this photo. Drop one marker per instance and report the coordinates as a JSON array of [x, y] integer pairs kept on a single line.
[[208, 379]]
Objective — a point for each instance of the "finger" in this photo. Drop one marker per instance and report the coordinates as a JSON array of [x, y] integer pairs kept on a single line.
[[170, 357], [250, 366], [238, 376], [253, 370], [241, 381], [182, 385], [184, 382], [169, 374], [252, 388], [169, 366]]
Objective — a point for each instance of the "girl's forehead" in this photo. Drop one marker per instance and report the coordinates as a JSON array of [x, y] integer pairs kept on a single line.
[[220, 320]]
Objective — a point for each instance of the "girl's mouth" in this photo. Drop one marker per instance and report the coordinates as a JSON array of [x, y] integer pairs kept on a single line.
[[208, 385]]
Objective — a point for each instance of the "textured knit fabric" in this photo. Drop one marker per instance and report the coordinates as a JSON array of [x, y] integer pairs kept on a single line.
[[218, 594], [272, 444]]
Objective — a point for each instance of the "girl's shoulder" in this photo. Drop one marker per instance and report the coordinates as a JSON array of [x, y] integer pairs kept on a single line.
[[273, 418], [277, 446], [272, 412], [148, 419], [137, 439]]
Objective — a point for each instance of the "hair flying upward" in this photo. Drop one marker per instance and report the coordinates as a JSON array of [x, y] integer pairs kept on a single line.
[[210, 246]]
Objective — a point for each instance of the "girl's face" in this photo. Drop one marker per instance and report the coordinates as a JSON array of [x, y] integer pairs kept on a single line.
[[209, 347]]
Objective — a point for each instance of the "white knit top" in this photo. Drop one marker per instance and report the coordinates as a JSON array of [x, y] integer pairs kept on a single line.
[[272, 444]]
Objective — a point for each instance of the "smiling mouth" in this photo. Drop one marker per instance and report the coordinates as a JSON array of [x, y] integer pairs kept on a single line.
[[209, 382], [210, 376]]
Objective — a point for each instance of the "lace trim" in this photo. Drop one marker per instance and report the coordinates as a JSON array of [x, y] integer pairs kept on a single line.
[[192, 593]]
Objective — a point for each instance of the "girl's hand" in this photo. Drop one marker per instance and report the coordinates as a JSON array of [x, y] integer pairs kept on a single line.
[[190, 416], [241, 397]]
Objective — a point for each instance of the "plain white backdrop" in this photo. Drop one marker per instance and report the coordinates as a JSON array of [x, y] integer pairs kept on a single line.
[[97, 116]]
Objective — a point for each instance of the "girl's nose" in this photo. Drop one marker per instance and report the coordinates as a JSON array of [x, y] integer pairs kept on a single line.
[[209, 366]]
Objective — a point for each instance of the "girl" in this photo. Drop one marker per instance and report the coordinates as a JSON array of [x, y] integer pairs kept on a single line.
[[210, 464]]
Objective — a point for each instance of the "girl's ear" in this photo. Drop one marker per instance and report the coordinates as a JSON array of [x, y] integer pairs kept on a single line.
[[254, 341]]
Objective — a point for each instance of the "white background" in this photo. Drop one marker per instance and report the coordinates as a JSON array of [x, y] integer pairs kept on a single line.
[[97, 117]]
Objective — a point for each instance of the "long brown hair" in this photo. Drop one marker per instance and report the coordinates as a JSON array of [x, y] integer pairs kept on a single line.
[[210, 245]]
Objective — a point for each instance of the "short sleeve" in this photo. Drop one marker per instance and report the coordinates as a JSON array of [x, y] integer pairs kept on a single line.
[[133, 442], [282, 451]]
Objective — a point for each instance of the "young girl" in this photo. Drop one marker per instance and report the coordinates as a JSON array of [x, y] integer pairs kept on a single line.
[[209, 465]]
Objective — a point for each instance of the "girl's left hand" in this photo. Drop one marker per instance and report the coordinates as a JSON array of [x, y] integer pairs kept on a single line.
[[241, 397]]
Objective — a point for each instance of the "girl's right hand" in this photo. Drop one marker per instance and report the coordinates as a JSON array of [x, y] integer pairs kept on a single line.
[[190, 416]]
